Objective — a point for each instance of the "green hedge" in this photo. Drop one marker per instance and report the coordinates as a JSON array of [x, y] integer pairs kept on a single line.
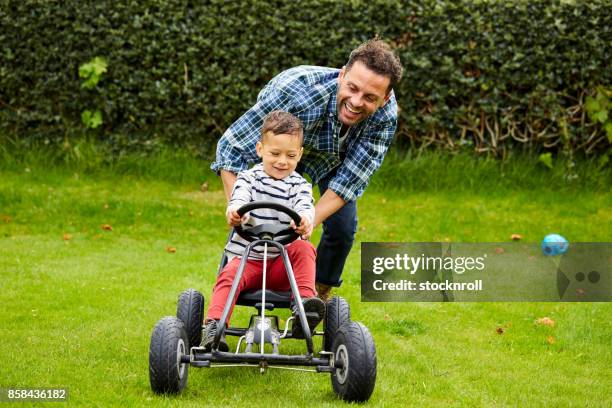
[[497, 74], [485, 74]]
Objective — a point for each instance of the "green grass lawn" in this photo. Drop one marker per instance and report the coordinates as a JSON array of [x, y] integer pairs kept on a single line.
[[79, 302]]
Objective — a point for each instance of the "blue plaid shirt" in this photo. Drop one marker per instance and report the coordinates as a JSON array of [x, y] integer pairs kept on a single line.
[[310, 94]]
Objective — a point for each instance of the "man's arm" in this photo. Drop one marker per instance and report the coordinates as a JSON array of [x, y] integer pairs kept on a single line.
[[229, 179], [236, 148], [327, 205], [365, 153], [363, 158]]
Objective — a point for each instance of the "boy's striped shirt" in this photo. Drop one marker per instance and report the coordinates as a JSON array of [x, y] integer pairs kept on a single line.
[[255, 185]]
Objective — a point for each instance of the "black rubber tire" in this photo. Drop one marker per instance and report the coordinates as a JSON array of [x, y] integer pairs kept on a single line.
[[168, 343], [190, 309], [337, 313], [354, 348]]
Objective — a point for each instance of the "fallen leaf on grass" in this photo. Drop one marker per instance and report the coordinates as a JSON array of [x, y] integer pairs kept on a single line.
[[67, 237], [500, 330], [516, 237], [170, 249], [546, 321], [107, 227], [550, 340]]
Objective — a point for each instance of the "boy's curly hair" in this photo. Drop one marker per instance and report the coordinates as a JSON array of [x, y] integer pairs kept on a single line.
[[281, 122], [378, 56]]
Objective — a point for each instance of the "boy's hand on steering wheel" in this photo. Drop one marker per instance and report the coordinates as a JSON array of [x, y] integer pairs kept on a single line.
[[233, 218], [304, 229]]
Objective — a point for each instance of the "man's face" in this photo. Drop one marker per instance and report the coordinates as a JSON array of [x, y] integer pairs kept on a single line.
[[279, 154], [361, 92]]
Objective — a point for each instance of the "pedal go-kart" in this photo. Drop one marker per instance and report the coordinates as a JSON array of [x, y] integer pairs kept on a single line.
[[348, 354]]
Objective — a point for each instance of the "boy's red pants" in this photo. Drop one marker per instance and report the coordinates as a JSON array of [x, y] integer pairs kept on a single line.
[[302, 256]]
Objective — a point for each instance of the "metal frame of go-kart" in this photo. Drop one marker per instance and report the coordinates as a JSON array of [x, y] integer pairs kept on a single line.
[[199, 358]]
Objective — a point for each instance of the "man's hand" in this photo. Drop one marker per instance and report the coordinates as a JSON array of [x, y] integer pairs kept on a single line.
[[304, 229], [233, 218]]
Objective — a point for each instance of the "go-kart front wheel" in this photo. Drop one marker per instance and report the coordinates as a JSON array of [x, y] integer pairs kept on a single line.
[[337, 313], [355, 357], [167, 373], [190, 309]]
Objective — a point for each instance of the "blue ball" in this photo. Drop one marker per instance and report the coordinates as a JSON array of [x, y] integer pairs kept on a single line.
[[554, 244]]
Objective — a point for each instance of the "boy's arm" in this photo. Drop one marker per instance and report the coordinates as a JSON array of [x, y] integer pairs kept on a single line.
[[241, 191], [303, 204]]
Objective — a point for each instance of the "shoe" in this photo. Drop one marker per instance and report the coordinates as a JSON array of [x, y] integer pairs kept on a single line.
[[315, 311], [210, 330], [323, 291]]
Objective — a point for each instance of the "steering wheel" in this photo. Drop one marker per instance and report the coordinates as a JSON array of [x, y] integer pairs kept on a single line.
[[274, 232]]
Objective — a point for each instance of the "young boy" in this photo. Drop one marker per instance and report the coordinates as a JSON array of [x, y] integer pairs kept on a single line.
[[274, 179]]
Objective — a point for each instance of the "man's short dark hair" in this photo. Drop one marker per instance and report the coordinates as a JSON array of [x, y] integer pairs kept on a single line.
[[378, 56], [280, 122]]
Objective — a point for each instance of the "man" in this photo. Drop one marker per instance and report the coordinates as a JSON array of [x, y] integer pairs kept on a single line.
[[349, 117]]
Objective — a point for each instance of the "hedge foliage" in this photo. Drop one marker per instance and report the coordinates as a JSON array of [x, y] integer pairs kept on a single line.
[[490, 75]]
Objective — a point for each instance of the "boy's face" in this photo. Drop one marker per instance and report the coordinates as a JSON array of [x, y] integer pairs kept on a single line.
[[280, 154], [361, 92]]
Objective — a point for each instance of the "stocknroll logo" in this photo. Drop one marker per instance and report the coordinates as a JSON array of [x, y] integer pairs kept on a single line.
[[510, 272]]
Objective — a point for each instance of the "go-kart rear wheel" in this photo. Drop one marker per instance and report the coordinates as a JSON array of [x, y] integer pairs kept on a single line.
[[168, 345], [190, 309], [337, 313], [355, 357]]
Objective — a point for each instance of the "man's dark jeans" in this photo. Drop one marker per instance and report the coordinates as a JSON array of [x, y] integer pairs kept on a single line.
[[336, 241]]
